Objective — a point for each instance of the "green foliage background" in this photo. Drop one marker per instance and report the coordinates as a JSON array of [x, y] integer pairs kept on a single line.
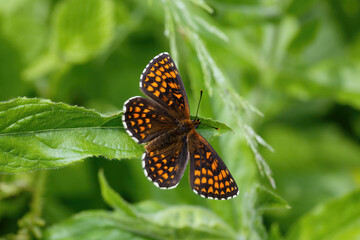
[[283, 75]]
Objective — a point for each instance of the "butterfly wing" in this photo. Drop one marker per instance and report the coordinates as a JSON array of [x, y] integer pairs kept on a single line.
[[164, 162], [145, 120], [165, 166], [161, 81], [209, 176]]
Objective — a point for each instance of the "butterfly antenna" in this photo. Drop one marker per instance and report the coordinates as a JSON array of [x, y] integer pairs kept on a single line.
[[197, 111]]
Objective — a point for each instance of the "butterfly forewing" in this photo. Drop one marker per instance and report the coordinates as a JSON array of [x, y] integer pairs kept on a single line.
[[145, 120], [165, 166], [161, 81], [209, 176]]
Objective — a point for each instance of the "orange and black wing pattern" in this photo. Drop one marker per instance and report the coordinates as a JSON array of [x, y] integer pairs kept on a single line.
[[161, 81], [163, 122], [144, 119], [209, 176], [165, 166]]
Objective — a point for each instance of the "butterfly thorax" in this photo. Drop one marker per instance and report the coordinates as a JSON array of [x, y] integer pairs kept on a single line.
[[181, 131]]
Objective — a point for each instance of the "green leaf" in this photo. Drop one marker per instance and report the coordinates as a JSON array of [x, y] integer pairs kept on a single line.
[[83, 28], [149, 206], [174, 223], [203, 5], [193, 221], [336, 219], [207, 128], [91, 225], [306, 34], [275, 233], [113, 198], [267, 200], [180, 220], [38, 134]]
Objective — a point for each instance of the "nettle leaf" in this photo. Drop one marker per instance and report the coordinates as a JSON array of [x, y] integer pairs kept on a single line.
[[83, 28], [267, 200], [38, 134], [336, 219]]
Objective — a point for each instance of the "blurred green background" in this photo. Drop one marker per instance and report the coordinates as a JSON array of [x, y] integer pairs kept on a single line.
[[288, 71]]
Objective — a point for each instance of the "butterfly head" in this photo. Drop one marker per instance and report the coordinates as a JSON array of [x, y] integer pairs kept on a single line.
[[196, 122]]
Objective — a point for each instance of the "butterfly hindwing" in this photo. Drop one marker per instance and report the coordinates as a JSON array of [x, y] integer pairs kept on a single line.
[[161, 81], [209, 176], [165, 166], [145, 120]]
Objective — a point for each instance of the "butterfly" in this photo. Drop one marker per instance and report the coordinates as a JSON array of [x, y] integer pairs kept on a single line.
[[163, 122]]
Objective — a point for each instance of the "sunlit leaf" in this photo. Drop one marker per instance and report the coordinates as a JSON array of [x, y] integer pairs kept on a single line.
[[37, 134]]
